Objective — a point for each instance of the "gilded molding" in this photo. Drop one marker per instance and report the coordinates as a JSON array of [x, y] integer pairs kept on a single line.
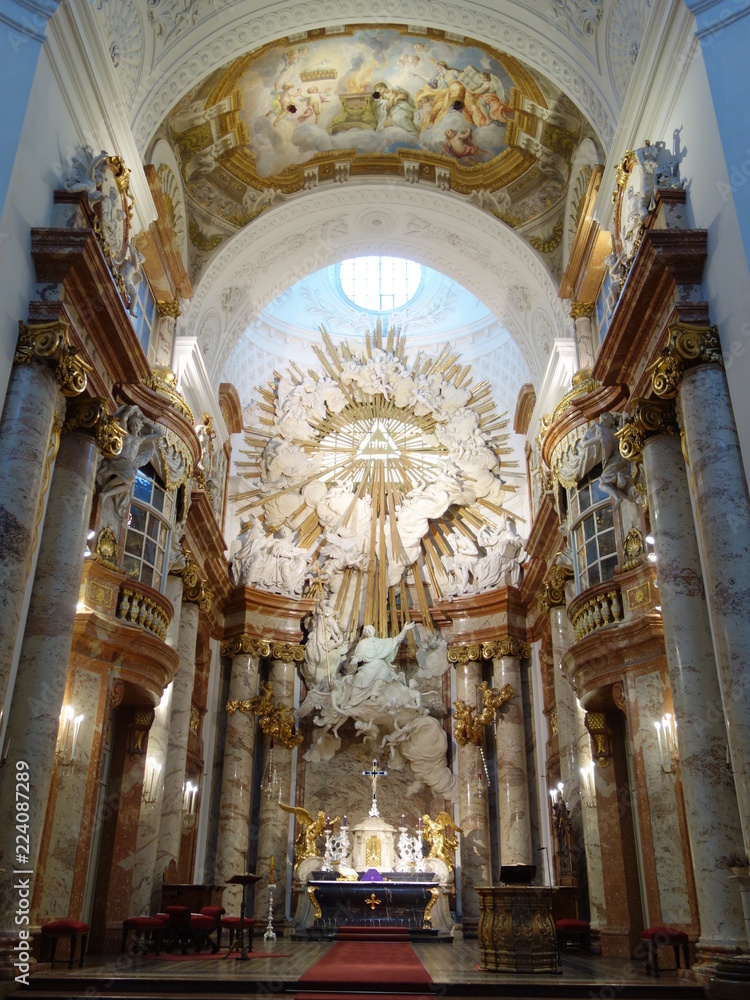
[[650, 416], [164, 381], [582, 310], [93, 415], [633, 549], [596, 724], [464, 654], [50, 342], [194, 589], [689, 344], [288, 653], [434, 896], [583, 384], [247, 645], [552, 592]]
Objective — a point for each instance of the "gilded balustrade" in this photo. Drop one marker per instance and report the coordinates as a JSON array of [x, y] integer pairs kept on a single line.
[[139, 605], [592, 611]]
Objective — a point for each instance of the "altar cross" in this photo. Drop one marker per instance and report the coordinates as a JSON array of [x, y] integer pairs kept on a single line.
[[373, 775]]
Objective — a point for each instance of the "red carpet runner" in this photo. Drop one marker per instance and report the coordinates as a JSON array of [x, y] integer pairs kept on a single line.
[[384, 968]]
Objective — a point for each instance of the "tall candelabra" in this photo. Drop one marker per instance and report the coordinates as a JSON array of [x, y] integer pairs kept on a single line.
[[270, 934], [337, 848]]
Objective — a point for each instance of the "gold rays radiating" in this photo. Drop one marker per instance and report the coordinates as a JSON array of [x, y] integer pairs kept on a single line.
[[381, 451]]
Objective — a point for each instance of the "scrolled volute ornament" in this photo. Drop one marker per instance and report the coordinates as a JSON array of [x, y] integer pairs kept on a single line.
[[93, 415], [50, 343], [552, 592], [246, 644], [464, 654], [650, 416], [194, 589], [689, 344], [288, 653], [507, 646]]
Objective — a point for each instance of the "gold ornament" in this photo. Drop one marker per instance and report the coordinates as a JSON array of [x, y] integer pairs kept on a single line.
[[632, 547], [194, 589], [50, 342], [689, 344], [276, 721], [650, 416], [106, 548], [552, 593], [436, 833], [306, 841], [93, 415], [466, 728], [164, 381], [246, 644]]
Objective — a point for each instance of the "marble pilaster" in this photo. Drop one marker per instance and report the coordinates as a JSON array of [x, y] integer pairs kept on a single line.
[[712, 815], [473, 807], [512, 779], [581, 313], [34, 718], [237, 774], [590, 823], [147, 879], [170, 824], [722, 513], [273, 832], [26, 440]]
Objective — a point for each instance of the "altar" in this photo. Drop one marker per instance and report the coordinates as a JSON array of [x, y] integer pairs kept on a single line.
[[396, 899]]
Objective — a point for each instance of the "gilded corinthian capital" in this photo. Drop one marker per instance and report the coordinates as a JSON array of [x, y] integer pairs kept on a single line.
[[689, 344], [246, 644], [93, 415], [650, 416], [50, 343], [552, 592]]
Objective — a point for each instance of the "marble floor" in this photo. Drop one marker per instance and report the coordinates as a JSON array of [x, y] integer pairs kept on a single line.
[[450, 965]]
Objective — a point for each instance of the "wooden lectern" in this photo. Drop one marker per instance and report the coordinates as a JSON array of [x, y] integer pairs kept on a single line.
[[244, 880]]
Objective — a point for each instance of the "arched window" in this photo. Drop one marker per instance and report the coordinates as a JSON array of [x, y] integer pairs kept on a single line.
[[149, 529], [593, 532], [380, 284]]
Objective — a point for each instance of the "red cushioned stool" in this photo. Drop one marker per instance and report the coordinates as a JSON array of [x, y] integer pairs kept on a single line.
[[143, 927], [216, 913], [665, 935], [577, 931], [200, 928], [232, 924], [178, 924], [56, 929]]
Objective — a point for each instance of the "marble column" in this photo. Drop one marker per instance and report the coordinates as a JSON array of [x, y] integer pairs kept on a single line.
[[712, 815], [34, 717], [147, 876], [722, 514], [170, 824], [581, 313], [273, 822], [512, 778], [473, 807], [237, 774], [566, 707], [27, 444]]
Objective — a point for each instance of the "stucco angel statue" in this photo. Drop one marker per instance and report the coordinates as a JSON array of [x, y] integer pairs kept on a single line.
[[305, 843], [436, 833]]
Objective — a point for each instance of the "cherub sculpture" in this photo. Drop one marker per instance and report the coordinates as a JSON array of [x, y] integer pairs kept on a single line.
[[305, 843], [436, 833]]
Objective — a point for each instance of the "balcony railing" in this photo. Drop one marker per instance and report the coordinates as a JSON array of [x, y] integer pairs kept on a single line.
[[595, 610], [141, 605]]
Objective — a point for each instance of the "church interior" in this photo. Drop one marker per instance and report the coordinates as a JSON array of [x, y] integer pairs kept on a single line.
[[375, 549]]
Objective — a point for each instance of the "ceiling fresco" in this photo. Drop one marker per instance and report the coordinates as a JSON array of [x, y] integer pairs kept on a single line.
[[373, 102]]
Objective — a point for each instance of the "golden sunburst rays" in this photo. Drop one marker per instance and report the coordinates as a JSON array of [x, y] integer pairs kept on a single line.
[[369, 432]]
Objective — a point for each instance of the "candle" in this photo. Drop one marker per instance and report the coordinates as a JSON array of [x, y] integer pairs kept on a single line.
[[328, 823], [76, 729], [419, 825], [403, 820], [270, 878], [344, 819]]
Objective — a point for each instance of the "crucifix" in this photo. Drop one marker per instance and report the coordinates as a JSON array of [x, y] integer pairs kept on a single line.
[[373, 775]]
